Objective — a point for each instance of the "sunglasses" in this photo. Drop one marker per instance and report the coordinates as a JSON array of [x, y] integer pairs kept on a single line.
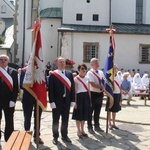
[[3, 59], [83, 68]]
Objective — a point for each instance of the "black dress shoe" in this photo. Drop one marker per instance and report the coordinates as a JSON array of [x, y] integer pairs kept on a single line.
[[98, 129], [91, 131], [55, 141], [40, 141], [84, 135], [66, 139]]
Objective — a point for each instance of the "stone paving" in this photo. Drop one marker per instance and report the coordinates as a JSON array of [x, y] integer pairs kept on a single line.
[[133, 134]]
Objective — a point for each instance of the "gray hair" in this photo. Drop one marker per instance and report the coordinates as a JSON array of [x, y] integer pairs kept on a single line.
[[4, 55], [93, 59]]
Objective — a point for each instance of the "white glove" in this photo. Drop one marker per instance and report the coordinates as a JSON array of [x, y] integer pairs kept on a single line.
[[11, 104], [53, 105], [72, 104]]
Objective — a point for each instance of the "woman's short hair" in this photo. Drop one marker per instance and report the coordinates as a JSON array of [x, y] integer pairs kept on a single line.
[[82, 65]]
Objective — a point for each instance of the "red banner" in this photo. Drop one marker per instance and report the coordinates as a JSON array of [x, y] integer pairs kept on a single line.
[[34, 81]]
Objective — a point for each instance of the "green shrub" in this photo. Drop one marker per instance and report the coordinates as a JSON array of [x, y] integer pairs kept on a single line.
[[1, 40]]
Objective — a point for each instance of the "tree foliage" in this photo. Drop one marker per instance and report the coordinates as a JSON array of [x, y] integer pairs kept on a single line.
[[1, 40]]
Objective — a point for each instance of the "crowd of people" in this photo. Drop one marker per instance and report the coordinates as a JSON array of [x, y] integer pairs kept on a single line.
[[83, 90], [133, 84]]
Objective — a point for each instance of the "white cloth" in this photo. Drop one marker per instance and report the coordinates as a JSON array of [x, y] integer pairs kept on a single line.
[[145, 80], [8, 77], [72, 104], [137, 79], [53, 105], [120, 76], [137, 83], [93, 78], [130, 78], [128, 95], [80, 87], [11, 104], [116, 87], [63, 76]]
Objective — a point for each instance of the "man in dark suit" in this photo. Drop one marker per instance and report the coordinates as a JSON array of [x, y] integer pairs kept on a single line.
[[8, 94], [28, 104], [61, 97]]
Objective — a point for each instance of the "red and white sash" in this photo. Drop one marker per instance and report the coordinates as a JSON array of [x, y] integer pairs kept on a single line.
[[63, 79], [117, 85], [6, 78], [82, 83], [99, 79]]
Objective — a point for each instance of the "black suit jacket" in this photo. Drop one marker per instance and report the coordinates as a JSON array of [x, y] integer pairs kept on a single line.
[[27, 98], [56, 89], [6, 95]]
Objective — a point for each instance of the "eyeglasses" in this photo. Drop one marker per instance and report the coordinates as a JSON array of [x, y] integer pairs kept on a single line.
[[3, 59], [83, 68]]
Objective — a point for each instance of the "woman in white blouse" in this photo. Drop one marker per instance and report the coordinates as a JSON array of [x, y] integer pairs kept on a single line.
[[81, 110]]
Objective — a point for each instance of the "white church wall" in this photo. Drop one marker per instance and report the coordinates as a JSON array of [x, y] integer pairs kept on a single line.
[[123, 11], [20, 31], [146, 12], [72, 7], [28, 45], [48, 4], [50, 38], [126, 52]]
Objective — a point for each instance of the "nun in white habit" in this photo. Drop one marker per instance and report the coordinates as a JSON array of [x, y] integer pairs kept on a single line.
[[137, 83], [145, 81], [120, 77]]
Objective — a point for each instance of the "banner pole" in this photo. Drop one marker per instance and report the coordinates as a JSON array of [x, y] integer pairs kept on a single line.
[[107, 107], [37, 124]]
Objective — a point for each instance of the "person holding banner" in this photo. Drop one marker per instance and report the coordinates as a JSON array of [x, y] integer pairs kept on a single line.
[[8, 94], [61, 96], [117, 101], [29, 104], [95, 79], [82, 108]]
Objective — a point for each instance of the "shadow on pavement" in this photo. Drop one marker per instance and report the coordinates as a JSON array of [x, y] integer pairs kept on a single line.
[[124, 139], [66, 146]]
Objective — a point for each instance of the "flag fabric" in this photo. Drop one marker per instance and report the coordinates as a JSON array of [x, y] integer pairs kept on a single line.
[[108, 80], [34, 80]]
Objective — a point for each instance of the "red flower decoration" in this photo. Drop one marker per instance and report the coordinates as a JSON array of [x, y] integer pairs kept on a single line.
[[68, 62]]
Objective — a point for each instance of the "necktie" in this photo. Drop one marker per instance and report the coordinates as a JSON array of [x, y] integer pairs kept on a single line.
[[96, 71]]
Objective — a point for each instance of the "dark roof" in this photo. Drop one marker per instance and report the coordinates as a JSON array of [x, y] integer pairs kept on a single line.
[[8, 22], [120, 28], [51, 13]]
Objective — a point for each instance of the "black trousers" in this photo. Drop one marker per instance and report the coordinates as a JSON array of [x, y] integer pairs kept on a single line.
[[97, 99], [9, 120], [28, 108], [63, 112]]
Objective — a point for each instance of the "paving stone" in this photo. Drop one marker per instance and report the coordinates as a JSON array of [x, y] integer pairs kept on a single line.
[[134, 133]]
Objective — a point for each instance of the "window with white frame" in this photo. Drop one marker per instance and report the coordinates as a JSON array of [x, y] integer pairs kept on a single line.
[[145, 53], [90, 50]]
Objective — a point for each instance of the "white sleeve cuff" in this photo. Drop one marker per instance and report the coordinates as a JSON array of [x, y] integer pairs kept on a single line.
[[11, 104], [72, 104], [52, 105]]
